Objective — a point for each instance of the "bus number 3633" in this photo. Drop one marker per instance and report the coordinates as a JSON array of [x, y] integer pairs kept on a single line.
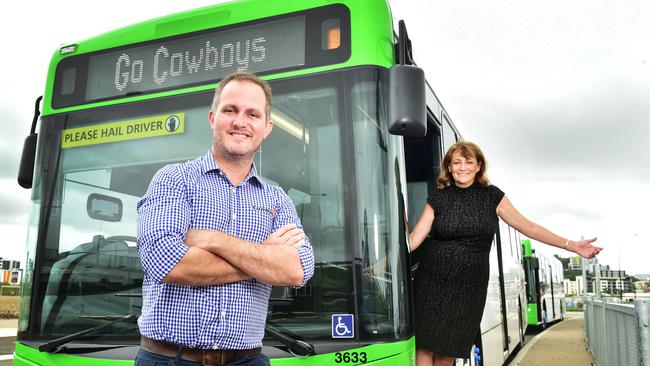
[[345, 357]]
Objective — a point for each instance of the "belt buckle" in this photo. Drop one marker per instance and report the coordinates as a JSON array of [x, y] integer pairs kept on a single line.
[[205, 358]]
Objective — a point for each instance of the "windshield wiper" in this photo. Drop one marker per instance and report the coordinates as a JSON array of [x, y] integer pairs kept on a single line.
[[295, 346], [54, 344]]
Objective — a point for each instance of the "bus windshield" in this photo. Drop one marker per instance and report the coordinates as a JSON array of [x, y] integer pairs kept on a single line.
[[329, 150]]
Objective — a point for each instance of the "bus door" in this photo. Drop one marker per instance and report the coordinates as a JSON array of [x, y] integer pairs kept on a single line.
[[550, 272], [422, 156], [531, 265], [502, 292]]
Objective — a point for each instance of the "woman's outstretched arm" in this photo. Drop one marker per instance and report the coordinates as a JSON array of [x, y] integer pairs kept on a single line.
[[510, 215], [422, 228]]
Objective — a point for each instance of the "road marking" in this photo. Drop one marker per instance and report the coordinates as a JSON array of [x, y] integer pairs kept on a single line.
[[6, 357]]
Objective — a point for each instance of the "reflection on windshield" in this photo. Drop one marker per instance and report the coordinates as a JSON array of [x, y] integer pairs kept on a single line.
[[91, 268], [303, 156], [380, 210]]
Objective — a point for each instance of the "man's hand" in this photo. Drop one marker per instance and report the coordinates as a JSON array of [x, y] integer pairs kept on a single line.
[[289, 234]]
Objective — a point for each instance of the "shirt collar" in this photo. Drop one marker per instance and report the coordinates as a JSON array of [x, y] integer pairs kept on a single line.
[[208, 164]]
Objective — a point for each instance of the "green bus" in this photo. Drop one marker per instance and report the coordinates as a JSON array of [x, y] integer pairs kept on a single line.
[[358, 137], [544, 286]]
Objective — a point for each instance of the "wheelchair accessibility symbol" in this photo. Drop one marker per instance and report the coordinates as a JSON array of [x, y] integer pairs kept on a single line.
[[342, 326]]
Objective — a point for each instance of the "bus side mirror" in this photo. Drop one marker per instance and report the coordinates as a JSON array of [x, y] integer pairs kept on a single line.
[[407, 101], [26, 169], [105, 208]]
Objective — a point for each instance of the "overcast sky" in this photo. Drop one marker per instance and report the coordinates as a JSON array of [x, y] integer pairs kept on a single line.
[[557, 93]]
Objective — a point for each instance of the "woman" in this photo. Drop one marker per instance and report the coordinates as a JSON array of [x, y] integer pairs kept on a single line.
[[451, 288]]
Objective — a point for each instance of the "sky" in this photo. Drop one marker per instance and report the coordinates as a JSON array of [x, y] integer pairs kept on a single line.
[[557, 94]]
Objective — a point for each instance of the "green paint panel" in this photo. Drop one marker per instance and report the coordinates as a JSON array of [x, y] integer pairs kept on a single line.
[[528, 248], [532, 314], [386, 354], [28, 356]]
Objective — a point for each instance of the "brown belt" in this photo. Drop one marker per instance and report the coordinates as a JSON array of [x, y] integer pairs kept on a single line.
[[212, 357]]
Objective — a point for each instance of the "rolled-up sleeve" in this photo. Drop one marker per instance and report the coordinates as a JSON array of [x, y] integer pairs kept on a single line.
[[163, 220], [286, 214]]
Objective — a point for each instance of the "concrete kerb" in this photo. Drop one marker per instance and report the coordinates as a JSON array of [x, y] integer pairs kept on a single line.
[[522, 352]]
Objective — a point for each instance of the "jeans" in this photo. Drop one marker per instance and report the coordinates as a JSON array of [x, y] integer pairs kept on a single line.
[[145, 358]]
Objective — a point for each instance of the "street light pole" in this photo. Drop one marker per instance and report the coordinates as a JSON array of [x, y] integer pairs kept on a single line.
[[584, 262], [620, 279], [634, 288]]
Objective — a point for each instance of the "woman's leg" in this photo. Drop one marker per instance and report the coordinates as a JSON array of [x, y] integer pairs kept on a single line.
[[441, 360], [423, 357]]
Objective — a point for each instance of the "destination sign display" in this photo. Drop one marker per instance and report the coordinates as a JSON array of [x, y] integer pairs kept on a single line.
[[300, 40], [209, 56]]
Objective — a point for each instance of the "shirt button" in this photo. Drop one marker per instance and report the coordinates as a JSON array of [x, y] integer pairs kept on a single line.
[[223, 314], [234, 216], [233, 189]]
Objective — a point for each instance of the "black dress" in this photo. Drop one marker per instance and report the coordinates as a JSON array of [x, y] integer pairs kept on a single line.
[[451, 286]]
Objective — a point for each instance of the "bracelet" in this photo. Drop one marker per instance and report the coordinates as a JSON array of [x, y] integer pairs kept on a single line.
[[566, 245]]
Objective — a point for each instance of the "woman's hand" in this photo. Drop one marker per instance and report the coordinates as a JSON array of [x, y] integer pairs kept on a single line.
[[584, 248]]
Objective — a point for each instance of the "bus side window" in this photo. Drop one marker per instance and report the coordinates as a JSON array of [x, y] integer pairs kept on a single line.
[[448, 135]]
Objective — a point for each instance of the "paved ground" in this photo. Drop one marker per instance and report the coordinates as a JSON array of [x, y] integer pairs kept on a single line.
[[7, 339], [562, 344], [8, 327]]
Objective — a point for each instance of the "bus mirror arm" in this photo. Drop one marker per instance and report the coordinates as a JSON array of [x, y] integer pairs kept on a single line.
[[407, 101], [26, 169]]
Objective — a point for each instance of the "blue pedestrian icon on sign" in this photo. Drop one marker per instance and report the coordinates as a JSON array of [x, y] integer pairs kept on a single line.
[[342, 326]]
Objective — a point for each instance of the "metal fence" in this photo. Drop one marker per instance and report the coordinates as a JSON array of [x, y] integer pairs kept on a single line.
[[618, 334], [10, 290]]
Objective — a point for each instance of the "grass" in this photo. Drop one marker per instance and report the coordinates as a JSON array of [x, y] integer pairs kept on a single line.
[[575, 308], [9, 306]]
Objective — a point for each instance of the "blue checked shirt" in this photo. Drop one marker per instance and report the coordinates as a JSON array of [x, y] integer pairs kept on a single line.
[[198, 195]]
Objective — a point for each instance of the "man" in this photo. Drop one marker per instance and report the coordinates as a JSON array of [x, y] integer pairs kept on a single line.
[[213, 237]]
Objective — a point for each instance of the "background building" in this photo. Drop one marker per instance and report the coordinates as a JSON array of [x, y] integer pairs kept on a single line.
[[10, 271], [575, 263], [642, 286], [612, 282]]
